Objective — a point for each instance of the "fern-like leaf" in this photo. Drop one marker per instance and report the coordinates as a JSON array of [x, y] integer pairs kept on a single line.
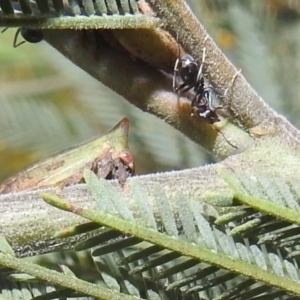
[[184, 263]]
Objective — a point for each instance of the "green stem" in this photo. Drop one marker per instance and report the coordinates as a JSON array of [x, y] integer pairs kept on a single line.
[[61, 279], [82, 22]]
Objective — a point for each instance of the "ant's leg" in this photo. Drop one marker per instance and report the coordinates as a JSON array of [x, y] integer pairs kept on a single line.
[[187, 88], [183, 87], [15, 45], [199, 87], [207, 96], [4, 29], [175, 75], [16, 38], [199, 101], [221, 107], [195, 101], [201, 65], [203, 55]]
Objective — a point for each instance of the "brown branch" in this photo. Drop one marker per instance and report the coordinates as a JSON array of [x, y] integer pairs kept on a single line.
[[151, 90], [247, 107], [145, 87]]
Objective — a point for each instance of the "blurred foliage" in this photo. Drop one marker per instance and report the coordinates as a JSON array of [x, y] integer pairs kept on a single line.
[[48, 104]]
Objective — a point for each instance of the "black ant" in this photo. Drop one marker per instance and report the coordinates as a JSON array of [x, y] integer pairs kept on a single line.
[[29, 35], [191, 75]]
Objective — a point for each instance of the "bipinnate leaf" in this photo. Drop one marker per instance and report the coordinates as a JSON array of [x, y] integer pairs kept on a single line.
[[167, 251]]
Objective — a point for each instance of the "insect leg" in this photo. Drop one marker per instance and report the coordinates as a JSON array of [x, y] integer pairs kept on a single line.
[[4, 29], [201, 65], [185, 87], [15, 44], [175, 76]]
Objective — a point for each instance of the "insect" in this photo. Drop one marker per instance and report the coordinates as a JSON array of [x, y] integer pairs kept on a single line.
[[29, 35], [190, 73]]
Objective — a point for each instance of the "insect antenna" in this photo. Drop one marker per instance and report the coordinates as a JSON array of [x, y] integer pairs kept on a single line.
[[223, 135], [30, 35], [15, 44]]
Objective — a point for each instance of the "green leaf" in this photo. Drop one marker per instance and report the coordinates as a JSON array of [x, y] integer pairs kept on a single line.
[[110, 14], [169, 252], [5, 246], [273, 195], [65, 280]]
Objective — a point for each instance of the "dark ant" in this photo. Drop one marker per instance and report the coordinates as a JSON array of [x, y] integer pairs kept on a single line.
[[203, 102], [29, 35], [190, 73]]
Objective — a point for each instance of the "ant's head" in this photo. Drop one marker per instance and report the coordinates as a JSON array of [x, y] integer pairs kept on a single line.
[[208, 115]]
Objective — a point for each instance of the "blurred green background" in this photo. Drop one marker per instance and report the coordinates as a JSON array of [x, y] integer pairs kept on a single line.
[[47, 104]]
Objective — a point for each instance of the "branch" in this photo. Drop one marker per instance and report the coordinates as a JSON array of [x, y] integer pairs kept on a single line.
[[30, 224], [145, 87], [81, 22], [247, 109], [151, 90], [246, 105]]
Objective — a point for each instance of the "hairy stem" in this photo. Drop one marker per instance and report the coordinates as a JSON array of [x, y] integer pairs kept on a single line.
[[144, 87], [245, 104]]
